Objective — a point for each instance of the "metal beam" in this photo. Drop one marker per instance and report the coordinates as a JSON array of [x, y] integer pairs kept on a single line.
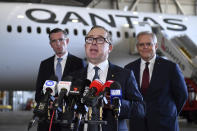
[[133, 5], [195, 8], [117, 4], [159, 4], [179, 6]]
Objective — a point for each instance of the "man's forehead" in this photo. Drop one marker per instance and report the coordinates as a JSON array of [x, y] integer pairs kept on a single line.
[[145, 37], [97, 32]]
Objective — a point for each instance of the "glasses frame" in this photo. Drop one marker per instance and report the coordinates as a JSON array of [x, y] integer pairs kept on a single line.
[[96, 39]]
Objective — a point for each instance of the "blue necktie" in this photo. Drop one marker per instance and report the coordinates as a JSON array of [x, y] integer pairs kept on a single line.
[[59, 69], [96, 76]]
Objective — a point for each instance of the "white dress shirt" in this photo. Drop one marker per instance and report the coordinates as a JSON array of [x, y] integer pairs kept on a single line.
[[102, 72], [63, 62], [150, 67]]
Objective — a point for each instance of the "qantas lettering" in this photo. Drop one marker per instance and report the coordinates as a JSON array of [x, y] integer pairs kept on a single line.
[[111, 22]]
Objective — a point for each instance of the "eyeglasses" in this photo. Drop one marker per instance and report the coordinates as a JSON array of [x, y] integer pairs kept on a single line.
[[145, 44], [58, 40], [99, 40]]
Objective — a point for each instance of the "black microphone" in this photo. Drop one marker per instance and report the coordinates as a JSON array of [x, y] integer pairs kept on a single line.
[[63, 88], [116, 97], [74, 93], [48, 89], [40, 111], [94, 89]]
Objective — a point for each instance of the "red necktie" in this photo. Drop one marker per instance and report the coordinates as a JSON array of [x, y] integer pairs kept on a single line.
[[145, 79]]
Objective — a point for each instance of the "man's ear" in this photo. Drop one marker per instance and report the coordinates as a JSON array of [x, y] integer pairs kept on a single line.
[[156, 46], [67, 41], [110, 48]]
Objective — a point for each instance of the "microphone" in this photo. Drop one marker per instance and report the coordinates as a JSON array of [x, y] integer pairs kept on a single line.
[[48, 90], [91, 100], [81, 107], [40, 111], [64, 85], [63, 88], [50, 86], [74, 94], [106, 90], [116, 97], [95, 87]]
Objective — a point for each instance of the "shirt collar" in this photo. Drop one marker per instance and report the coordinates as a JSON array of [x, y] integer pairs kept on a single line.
[[103, 65], [63, 57], [151, 61]]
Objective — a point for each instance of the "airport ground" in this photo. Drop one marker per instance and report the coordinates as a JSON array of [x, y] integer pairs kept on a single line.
[[18, 121]]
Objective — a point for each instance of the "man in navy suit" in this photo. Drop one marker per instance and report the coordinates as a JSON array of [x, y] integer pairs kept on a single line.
[[97, 47], [69, 63], [163, 87]]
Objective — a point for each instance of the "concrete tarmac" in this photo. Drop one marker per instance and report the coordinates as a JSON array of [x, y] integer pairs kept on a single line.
[[18, 121]]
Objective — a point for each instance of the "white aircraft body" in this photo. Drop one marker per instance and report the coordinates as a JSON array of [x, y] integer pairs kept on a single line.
[[24, 40]]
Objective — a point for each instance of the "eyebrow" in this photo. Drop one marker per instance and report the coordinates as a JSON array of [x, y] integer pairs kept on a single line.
[[93, 35]]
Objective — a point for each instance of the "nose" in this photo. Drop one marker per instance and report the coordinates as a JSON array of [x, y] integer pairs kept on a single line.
[[57, 42], [94, 42]]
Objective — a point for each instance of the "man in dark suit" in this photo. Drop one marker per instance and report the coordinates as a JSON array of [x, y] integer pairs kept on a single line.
[[48, 68], [161, 84], [97, 47]]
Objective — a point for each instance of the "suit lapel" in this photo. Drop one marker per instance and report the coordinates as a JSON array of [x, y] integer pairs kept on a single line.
[[137, 72], [67, 66], [84, 72], [155, 71], [51, 66], [111, 74]]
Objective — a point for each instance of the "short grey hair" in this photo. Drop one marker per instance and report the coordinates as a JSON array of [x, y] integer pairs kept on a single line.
[[154, 38]]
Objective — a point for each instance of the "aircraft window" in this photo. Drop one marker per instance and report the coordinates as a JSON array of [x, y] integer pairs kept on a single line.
[[19, 29], [67, 31], [47, 30], [110, 33], [126, 35], [84, 32], [118, 34], [9, 28], [134, 35], [38, 30], [75, 32], [29, 29]]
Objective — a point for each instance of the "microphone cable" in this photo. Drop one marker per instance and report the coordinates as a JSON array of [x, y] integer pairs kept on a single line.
[[51, 120]]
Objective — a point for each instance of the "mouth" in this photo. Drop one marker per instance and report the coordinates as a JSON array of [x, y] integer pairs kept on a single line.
[[93, 50]]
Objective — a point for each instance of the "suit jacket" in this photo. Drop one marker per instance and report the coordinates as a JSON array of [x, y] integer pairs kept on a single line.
[[132, 102], [165, 96], [46, 70]]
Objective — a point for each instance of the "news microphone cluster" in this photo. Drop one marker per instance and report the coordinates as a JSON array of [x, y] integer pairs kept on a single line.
[[69, 92]]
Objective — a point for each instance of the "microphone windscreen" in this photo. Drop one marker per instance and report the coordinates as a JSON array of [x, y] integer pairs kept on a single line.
[[98, 85], [87, 82], [76, 86], [115, 85], [107, 85], [115, 91]]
